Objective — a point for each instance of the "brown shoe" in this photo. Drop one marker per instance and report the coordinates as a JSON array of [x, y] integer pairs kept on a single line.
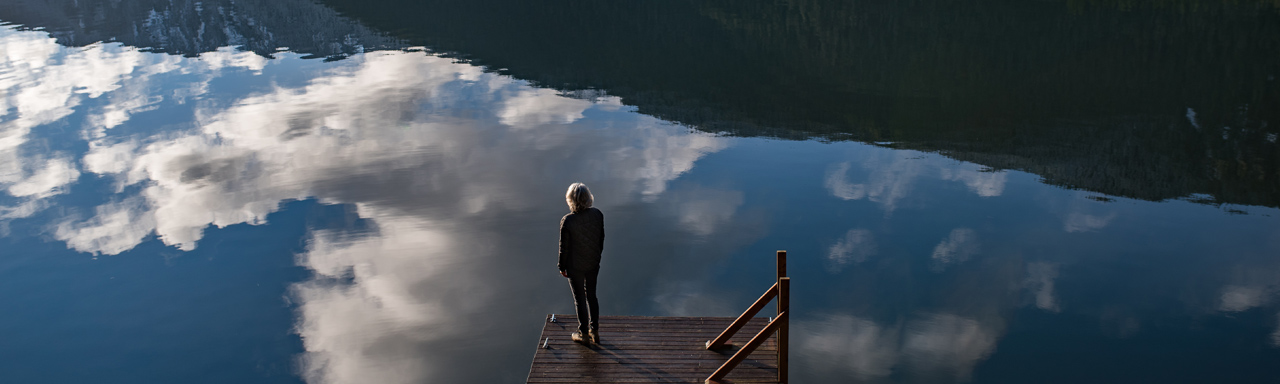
[[577, 337], [595, 336]]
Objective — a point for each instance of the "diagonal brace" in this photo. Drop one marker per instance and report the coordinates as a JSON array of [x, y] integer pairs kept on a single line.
[[747, 349], [720, 341]]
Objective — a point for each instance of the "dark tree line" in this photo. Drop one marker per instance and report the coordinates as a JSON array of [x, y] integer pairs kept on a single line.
[[1087, 94]]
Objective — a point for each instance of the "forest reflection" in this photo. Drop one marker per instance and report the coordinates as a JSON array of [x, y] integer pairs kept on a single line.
[[1148, 100], [1145, 100]]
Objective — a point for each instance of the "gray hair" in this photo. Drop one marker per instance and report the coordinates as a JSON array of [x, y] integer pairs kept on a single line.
[[578, 197]]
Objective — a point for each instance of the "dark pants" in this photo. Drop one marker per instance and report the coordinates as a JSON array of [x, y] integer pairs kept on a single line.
[[584, 298]]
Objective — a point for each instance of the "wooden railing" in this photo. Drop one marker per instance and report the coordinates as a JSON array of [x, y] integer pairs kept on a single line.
[[780, 289]]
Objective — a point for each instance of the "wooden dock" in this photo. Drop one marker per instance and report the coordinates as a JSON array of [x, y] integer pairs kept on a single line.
[[642, 349], [639, 349]]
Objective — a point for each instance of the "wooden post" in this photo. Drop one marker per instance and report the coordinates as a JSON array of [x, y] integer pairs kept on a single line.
[[782, 264], [784, 306], [782, 273], [784, 300]]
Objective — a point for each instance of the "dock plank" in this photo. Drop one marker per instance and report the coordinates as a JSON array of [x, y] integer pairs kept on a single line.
[[645, 349]]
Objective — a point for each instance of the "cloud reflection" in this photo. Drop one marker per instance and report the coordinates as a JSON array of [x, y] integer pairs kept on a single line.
[[856, 246], [948, 344], [1237, 298], [891, 176], [984, 182], [1252, 287], [1082, 222], [1275, 336], [432, 153], [930, 347], [1040, 280], [113, 229], [310, 141], [368, 330], [955, 249], [44, 83], [847, 345], [41, 83], [703, 210], [46, 180]]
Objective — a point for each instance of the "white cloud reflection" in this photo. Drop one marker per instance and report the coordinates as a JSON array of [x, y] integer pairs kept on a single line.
[[1275, 336], [690, 298], [703, 210], [891, 176], [419, 144], [984, 182], [43, 82], [933, 346], [534, 107], [1237, 298], [948, 344], [1082, 222], [293, 143], [1040, 280], [855, 247], [845, 344], [1250, 286], [113, 229], [955, 249], [360, 332], [46, 180]]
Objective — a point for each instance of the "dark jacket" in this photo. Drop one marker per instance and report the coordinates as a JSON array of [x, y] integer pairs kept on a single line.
[[581, 240]]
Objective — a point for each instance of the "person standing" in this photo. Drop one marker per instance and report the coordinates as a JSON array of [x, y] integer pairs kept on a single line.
[[581, 244]]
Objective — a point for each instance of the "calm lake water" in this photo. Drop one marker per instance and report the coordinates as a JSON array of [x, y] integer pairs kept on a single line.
[[368, 192]]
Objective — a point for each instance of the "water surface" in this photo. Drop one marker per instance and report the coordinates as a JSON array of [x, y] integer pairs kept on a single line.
[[229, 192]]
